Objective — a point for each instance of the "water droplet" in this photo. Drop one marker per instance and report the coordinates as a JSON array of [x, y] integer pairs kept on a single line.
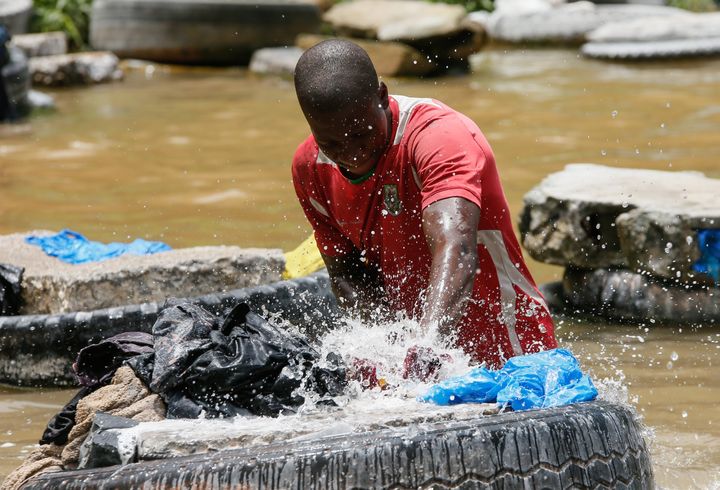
[[603, 152], [684, 414], [614, 114], [674, 356]]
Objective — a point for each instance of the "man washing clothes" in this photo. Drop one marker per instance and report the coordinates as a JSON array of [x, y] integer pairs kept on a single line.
[[408, 211]]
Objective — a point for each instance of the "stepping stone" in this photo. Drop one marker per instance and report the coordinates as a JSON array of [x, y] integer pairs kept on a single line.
[[41, 44], [275, 61], [591, 216], [75, 69], [390, 58], [52, 286]]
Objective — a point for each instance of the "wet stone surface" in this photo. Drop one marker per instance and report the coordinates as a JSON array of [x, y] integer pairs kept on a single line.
[[52, 286], [75, 69], [590, 216]]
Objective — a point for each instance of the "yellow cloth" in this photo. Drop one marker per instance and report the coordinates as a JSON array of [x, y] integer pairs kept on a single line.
[[303, 260]]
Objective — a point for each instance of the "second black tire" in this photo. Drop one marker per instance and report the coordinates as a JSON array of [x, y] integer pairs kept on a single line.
[[210, 32]]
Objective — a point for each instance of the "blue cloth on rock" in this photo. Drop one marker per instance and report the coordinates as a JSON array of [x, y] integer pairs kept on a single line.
[[72, 247], [709, 261], [546, 379]]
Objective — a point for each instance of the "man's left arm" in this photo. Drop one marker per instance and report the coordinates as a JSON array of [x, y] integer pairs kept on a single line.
[[450, 228]]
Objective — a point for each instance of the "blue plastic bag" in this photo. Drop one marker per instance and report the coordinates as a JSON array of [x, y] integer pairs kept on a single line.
[[709, 261], [546, 379], [72, 247]]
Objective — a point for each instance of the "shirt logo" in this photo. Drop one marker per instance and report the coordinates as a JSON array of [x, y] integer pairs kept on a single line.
[[391, 199]]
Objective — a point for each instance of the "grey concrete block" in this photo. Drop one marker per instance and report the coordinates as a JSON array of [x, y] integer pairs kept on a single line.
[[41, 43], [275, 61], [590, 216], [75, 69], [53, 286]]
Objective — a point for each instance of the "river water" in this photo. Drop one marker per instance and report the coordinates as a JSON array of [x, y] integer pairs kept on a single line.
[[201, 157]]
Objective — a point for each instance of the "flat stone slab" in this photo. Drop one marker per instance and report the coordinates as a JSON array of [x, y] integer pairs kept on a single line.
[[390, 58], [174, 438], [275, 61], [591, 216], [52, 286], [570, 23], [42, 43], [395, 21], [75, 69]]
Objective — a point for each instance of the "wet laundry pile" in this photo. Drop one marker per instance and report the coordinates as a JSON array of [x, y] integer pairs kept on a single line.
[[546, 379], [73, 248], [194, 364]]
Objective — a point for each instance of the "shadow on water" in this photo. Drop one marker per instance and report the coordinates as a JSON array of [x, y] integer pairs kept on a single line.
[[197, 157]]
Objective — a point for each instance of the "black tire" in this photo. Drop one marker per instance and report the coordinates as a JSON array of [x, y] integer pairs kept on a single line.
[[15, 77], [15, 14], [626, 296], [198, 31], [38, 350], [589, 445], [653, 50]]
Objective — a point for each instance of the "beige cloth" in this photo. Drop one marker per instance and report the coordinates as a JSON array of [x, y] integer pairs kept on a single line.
[[125, 396]]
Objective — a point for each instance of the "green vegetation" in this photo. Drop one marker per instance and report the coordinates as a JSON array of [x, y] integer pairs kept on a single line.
[[694, 5], [70, 16], [473, 5]]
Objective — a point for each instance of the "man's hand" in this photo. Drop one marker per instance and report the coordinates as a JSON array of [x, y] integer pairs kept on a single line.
[[357, 287], [450, 227]]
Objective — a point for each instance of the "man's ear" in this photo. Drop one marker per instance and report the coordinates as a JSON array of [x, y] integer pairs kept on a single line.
[[383, 95]]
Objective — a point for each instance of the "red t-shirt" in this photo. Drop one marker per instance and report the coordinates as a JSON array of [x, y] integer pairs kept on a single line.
[[436, 153]]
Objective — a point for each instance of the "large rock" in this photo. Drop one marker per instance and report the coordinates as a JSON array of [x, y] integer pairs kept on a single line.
[[275, 61], [15, 14], [568, 24], [441, 32], [75, 69], [41, 44], [390, 58], [591, 216], [52, 286], [395, 21]]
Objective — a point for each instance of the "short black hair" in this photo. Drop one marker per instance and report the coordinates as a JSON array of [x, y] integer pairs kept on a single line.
[[334, 74]]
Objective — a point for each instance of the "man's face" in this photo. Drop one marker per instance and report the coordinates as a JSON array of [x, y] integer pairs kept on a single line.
[[356, 138]]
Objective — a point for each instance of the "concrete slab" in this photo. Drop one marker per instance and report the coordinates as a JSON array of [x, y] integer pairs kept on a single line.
[[591, 216], [174, 438], [52, 286]]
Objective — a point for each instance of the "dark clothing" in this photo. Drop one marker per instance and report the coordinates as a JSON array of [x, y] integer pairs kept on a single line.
[[10, 287]]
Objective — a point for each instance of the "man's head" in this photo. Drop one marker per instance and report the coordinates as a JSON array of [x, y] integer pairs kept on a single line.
[[346, 107]]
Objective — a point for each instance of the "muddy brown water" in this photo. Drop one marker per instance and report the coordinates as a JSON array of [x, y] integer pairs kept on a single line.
[[198, 157]]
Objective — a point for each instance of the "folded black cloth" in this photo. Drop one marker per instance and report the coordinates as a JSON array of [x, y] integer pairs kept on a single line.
[[10, 287], [233, 367], [96, 364]]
